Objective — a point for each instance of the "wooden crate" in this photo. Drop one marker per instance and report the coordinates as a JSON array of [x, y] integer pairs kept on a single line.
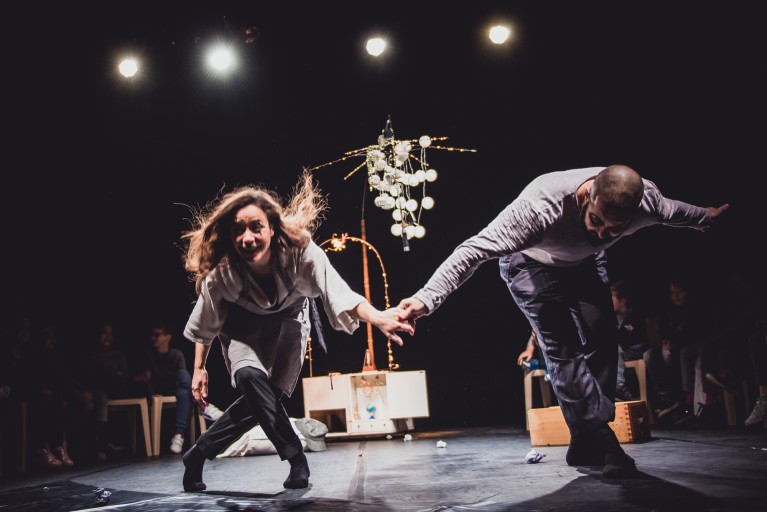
[[548, 427]]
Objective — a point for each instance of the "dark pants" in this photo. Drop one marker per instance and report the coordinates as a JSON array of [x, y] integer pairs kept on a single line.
[[571, 310], [181, 388], [260, 404]]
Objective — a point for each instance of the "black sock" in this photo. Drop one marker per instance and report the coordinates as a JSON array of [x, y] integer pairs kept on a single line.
[[193, 461], [583, 450], [299, 472]]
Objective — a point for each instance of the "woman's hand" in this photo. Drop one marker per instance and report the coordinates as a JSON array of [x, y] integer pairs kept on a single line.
[[200, 384]]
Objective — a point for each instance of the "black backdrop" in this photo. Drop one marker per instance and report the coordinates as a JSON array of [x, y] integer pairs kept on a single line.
[[99, 173]]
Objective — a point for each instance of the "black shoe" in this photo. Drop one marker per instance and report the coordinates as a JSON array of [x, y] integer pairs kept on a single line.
[[709, 416], [299, 473], [619, 466], [583, 451], [193, 461]]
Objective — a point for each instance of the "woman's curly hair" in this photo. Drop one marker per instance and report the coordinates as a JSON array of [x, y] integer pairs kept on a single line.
[[209, 240]]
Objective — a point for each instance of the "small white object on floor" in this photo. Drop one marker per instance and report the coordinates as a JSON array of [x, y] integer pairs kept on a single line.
[[441, 444], [407, 437], [533, 457], [388, 436]]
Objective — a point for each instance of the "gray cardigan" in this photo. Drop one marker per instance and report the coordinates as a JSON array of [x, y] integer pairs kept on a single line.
[[270, 336]]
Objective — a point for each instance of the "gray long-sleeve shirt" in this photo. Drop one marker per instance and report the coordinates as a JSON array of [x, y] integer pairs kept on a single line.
[[270, 336], [544, 223]]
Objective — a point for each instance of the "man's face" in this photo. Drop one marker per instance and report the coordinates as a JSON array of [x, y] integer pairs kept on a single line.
[[160, 338], [598, 227]]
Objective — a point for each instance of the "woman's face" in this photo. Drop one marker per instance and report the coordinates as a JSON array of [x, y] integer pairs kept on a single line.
[[252, 235]]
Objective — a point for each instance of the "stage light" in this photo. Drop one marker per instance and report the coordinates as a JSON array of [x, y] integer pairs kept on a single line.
[[375, 46], [221, 59], [499, 34], [128, 67]]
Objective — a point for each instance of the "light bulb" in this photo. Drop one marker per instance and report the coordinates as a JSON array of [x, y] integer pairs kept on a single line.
[[424, 141], [409, 231], [420, 175], [427, 202], [420, 231], [396, 214], [411, 205], [396, 229], [431, 175]]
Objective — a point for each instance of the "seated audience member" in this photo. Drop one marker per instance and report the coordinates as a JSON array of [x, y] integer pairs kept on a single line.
[[633, 342], [166, 370], [109, 377]]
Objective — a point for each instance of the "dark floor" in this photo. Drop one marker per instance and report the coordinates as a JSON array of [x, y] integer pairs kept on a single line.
[[484, 469]]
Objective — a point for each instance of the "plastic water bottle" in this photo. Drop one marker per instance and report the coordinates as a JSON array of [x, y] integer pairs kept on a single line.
[[532, 364]]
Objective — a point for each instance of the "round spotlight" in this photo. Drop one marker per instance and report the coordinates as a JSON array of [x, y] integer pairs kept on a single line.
[[375, 46], [128, 67], [499, 34]]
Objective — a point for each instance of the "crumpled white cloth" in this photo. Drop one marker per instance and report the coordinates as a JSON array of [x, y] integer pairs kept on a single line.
[[533, 456]]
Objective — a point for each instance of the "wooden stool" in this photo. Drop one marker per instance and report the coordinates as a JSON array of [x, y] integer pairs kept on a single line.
[[158, 403], [143, 406], [545, 391]]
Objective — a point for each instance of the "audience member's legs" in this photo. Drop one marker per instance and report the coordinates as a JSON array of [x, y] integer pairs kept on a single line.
[[183, 400]]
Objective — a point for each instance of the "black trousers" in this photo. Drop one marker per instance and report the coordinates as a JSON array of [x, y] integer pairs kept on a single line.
[[260, 404], [571, 310]]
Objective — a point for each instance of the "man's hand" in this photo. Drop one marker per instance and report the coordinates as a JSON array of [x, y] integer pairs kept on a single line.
[[412, 308], [715, 212]]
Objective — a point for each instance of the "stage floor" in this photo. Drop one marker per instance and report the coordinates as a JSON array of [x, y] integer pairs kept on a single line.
[[481, 469]]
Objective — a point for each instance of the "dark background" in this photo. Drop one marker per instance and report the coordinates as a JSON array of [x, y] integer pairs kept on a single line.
[[100, 172]]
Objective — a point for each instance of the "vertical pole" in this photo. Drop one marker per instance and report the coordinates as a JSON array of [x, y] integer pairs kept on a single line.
[[369, 363]]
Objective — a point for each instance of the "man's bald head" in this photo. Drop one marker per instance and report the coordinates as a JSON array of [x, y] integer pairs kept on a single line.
[[618, 190]]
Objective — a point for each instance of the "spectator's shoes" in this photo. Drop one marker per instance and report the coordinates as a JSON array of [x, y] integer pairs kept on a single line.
[[211, 412], [46, 458], [709, 416], [684, 416], [177, 443], [758, 414], [622, 393], [63, 456], [666, 406]]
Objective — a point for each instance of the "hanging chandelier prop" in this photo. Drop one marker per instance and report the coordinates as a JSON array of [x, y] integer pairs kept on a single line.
[[398, 170]]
